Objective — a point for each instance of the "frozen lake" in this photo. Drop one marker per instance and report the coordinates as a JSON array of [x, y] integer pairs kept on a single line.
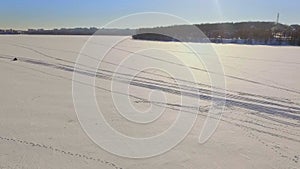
[[39, 127]]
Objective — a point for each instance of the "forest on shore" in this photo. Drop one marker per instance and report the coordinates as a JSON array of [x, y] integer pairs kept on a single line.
[[265, 33]]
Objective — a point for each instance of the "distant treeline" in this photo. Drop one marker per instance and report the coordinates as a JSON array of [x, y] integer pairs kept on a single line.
[[72, 31], [267, 33]]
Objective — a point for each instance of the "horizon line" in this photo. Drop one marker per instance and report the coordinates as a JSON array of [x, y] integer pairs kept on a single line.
[[89, 27]]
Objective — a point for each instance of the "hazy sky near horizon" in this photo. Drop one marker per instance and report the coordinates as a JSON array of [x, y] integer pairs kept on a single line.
[[24, 14]]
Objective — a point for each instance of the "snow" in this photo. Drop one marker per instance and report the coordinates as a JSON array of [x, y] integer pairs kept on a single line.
[[39, 127]]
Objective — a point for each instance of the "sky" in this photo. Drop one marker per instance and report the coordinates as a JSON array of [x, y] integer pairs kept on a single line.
[[48, 14]]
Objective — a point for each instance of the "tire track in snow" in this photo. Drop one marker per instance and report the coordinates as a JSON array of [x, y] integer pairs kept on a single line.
[[232, 100]]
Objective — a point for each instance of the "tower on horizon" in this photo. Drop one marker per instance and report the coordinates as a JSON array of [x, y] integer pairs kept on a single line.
[[277, 20]]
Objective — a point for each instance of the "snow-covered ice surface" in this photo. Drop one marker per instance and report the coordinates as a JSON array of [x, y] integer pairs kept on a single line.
[[260, 126]]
